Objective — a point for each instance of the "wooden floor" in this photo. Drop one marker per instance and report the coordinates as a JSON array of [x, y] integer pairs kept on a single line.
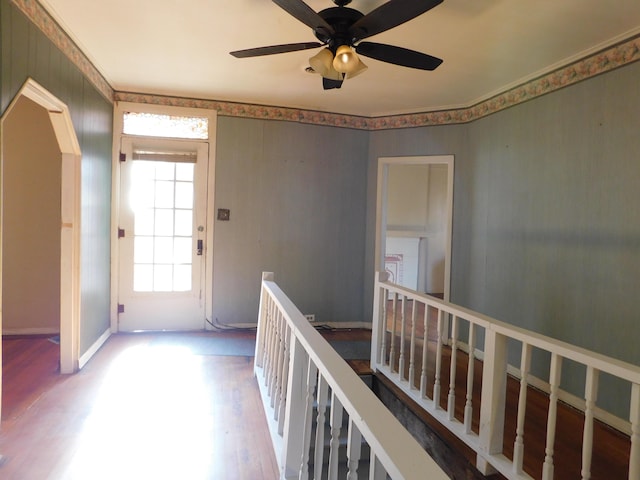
[[138, 410], [144, 409]]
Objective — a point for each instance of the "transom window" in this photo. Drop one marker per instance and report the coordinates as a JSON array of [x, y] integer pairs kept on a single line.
[[169, 126]]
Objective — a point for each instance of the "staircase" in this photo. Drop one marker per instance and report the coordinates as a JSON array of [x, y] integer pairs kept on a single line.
[[303, 380], [441, 370]]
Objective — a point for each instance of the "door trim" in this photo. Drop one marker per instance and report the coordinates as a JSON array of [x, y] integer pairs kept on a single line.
[[211, 115], [70, 302], [381, 221]]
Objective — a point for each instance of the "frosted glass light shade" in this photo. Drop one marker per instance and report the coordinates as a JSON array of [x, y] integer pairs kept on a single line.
[[360, 67], [322, 64], [346, 60]]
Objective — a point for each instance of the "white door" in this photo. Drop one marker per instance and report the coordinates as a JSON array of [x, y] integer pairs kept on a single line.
[[162, 234]]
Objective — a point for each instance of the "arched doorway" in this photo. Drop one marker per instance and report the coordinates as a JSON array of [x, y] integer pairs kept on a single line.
[[40, 205]]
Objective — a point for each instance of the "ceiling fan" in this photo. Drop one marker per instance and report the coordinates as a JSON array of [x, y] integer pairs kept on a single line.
[[340, 29]]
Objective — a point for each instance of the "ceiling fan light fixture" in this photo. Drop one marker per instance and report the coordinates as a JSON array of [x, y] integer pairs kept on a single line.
[[360, 67], [346, 60], [322, 63]]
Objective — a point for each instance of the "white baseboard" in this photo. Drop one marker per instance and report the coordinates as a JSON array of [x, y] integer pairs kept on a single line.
[[85, 357], [31, 331], [343, 325], [335, 325], [231, 326]]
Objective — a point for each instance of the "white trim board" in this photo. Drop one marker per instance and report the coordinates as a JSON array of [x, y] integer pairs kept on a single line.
[[30, 331], [91, 351]]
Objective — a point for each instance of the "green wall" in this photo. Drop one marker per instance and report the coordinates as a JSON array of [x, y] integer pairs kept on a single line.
[[297, 199], [546, 228], [26, 52]]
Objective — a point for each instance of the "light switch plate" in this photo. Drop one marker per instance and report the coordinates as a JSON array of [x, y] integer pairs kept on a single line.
[[224, 214]]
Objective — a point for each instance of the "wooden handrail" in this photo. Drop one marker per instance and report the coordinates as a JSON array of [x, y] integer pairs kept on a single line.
[[310, 359], [489, 443]]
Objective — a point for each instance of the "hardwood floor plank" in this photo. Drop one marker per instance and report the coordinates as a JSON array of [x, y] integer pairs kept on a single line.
[[148, 409], [139, 411]]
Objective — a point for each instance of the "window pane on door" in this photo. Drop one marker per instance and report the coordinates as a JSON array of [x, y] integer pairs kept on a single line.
[[162, 201]]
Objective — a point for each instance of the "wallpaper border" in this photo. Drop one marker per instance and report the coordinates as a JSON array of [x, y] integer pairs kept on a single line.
[[37, 14], [616, 56]]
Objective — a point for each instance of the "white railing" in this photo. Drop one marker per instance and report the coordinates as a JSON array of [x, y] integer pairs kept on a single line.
[[401, 351], [306, 384]]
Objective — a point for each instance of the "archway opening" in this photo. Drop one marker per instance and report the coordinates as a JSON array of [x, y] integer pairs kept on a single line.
[[40, 274]]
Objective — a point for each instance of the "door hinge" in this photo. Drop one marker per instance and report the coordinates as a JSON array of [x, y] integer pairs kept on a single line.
[[123, 157], [120, 232], [120, 308]]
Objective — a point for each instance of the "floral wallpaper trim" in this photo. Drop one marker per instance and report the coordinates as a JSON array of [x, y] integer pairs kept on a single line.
[[623, 53], [41, 18], [614, 57]]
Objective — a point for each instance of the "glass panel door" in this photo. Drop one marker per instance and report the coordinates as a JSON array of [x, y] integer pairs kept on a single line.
[[161, 254]]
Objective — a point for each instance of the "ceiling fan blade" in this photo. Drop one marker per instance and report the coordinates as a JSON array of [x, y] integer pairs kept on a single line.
[[328, 83], [398, 55], [389, 15], [273, 49], [304, 13]]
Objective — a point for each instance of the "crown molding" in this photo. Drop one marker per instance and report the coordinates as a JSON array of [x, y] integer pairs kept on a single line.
[[618, 55]]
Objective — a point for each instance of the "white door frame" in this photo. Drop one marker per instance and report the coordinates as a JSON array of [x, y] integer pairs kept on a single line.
[[70, 214], [211, 115], [381, 208]]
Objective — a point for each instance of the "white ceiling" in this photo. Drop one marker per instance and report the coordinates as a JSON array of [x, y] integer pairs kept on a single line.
[[182, 49]]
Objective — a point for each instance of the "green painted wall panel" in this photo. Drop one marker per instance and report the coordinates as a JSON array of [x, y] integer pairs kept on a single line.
[[297, 199], [546, 228], [27, 53]]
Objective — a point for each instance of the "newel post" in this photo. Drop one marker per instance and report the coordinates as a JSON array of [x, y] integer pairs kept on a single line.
[[492, 406], [294, 420], [262, 319], [378, 323]]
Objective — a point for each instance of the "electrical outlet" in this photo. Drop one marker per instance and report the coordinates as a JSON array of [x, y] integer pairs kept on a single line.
[[311, 317]]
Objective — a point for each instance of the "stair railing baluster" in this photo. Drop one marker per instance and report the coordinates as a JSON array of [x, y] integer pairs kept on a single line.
[[384, 321], [518, 446], [312, 378], [436, 380], [284, 377], [277, 362], [269, 347], [376, 469], [412, 350], [451, 399], [392, 348], [403, 331], [590, 396], [280, 370], [267, 332], [354, 451], [335, 421], [468, 406], [425, 351], [265, 300], [554, 384], [322, 401]]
